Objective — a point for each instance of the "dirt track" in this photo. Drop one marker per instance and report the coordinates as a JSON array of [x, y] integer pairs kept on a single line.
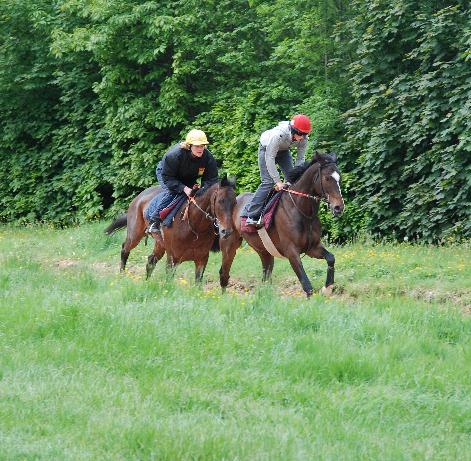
[[288, 288]]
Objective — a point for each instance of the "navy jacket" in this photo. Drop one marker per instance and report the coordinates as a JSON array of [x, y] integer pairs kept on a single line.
[[180, 169]]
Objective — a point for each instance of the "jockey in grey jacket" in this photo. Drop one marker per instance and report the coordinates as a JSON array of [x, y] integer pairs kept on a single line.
[[274, 148], [280, 139]]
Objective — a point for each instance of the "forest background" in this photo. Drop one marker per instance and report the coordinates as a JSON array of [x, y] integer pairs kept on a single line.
[[93, 93]]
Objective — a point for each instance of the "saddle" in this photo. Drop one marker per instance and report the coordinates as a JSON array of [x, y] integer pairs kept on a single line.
[[268, 213], [169, 212]]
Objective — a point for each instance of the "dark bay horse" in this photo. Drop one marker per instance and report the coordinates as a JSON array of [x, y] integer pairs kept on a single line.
[[296, 228], [192, 234]]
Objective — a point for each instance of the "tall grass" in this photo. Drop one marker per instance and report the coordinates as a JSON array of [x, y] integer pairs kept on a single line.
[[98, 365]]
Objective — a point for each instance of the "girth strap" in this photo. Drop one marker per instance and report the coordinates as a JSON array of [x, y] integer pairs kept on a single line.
[[268, 244]]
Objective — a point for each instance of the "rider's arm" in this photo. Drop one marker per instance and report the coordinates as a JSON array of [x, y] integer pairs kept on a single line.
[[271, 151], [170, 173]]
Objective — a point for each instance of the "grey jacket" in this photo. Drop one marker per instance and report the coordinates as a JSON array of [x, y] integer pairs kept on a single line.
[[279, 139]]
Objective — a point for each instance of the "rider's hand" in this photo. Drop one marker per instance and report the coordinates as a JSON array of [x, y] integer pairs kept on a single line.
[[187, 191], [281, 185], [194, 190]]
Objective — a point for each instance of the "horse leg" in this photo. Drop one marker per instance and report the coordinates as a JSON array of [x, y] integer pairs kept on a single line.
[[170, 267], [200, 266], [330, 259], [136, 229], [126, 247], [321, 253], [297, 265], [154, 258], [229, 248], [268, 262], [125, 250]]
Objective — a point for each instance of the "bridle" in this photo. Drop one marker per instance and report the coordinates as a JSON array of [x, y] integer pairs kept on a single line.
[[208, 216], [314, 198]]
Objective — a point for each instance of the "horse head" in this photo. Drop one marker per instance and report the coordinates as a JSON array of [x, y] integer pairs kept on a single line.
[[329, 182], [223, 202]]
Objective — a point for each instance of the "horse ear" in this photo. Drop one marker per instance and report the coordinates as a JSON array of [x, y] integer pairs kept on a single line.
[[316, 157], [226, 181], [334, 157]]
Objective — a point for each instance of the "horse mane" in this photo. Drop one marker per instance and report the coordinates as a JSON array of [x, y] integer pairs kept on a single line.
[[317, 157], [224, 181], [298, 171]]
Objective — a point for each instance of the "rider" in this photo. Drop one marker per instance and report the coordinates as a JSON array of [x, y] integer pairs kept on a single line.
[[179, 170], [274, 149]]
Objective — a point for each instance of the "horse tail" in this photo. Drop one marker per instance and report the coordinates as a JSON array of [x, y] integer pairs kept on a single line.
[[216, 247], [118, 223]]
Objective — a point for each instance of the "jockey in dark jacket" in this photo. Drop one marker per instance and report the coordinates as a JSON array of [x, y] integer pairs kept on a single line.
[[179, 171]]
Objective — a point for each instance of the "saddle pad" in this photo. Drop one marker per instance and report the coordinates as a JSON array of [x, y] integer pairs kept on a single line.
[[269, 211], [176, 202], [168, 213], [268, 214]]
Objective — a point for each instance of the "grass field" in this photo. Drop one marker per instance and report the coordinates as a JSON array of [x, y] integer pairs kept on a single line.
[[95, 365]]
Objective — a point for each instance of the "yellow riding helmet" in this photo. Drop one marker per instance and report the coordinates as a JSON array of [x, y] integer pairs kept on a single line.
[[196, 138]]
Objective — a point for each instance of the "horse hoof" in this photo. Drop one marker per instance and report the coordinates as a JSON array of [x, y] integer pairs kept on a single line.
[[327, 291], [309, 293]]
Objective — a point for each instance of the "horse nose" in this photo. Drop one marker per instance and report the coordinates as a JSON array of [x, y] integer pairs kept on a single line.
[[337, 210]]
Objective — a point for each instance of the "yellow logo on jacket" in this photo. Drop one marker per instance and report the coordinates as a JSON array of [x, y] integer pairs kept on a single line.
[[200, 171]]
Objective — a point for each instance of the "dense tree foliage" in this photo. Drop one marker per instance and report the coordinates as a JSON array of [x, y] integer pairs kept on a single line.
[[94, 92], [410, 125]]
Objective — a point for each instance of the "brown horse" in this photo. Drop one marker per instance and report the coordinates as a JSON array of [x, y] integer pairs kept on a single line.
[[296, 228], [193, 231]]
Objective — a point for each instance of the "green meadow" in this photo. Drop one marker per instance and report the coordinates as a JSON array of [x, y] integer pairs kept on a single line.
[[97, 365]]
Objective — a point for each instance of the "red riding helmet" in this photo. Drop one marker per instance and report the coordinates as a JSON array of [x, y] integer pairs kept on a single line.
[[301, 123]]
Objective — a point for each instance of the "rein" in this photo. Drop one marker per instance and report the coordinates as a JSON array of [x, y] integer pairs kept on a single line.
[[301, 212], [316, 198], [302, 194], [208, 216]]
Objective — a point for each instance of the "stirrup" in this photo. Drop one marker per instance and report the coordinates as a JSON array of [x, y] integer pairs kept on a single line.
[[254, 222], [153, 227]]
